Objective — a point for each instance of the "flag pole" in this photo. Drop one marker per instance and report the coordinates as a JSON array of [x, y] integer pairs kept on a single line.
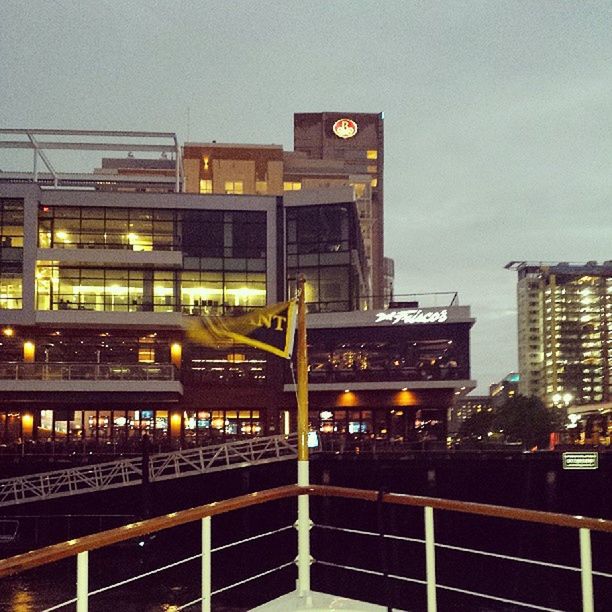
[[303, 522]]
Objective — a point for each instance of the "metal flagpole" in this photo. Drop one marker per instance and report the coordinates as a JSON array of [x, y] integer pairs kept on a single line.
[[303, 521]]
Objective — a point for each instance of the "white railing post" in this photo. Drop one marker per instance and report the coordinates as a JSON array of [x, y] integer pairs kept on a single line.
[[303, 529], [82, 581], [206, 563], [586, 570], [430, 559]]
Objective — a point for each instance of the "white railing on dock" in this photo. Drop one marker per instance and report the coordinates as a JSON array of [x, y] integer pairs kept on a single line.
[[162, 466], [82, 546]]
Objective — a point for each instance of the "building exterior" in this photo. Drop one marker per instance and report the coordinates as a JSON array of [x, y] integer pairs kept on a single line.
[[389, 374], [98, 281], [233, 168], [346, 146], [326, 155], [505, 389], [464, 407], [564, 331]]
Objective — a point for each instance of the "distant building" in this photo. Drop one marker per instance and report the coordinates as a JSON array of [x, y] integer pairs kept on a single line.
[[505, 389], [564, 331], [350, 145], [464, 407]]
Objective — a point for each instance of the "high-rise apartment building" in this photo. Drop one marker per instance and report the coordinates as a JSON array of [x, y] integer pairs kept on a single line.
[[564, 330]]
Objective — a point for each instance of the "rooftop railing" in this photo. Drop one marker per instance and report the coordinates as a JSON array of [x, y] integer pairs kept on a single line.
[[429, 549], [41, 141], [86, 371]]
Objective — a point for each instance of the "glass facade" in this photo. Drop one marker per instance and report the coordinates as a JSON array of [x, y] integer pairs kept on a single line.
[[386, 354], [324, 244], [224, 269], [137, 229], [11, 254]]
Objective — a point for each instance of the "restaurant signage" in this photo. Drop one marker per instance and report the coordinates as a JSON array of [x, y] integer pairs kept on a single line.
[[580, 461], [345, 128], [410, 317]]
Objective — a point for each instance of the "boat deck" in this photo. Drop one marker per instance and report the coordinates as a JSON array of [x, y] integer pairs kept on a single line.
[[315, 602]]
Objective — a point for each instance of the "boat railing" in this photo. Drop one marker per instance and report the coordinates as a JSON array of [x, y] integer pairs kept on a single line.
[[81, 547]]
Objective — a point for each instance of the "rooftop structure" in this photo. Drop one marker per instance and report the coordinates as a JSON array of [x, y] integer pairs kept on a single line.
[[164, 175]]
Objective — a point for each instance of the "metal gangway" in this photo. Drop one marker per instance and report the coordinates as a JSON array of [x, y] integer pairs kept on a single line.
[[162, 466]]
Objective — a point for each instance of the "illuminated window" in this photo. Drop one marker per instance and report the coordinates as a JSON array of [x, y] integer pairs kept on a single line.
[[111, 228], [372, 154], [146, 355], [359, 190], [292, 185], [374, 182], [205, 162], [11, 253], [236, 187], [261, 187], [372, 169], [206, 186]]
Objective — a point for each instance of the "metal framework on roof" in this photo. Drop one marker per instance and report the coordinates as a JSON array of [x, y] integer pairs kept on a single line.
[[26, 138]]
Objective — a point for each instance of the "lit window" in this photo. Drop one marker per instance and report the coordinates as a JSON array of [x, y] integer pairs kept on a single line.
[[372, 169], [372, 154], [359, 190], [374, 182], [205, 163], [206, 186], [234, 187], [261, 187], [292, 185]]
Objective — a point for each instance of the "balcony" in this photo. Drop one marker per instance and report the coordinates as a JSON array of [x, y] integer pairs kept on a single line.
[[89, 377]]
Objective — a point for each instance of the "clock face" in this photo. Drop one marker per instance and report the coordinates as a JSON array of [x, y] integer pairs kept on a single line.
[[345, 128]]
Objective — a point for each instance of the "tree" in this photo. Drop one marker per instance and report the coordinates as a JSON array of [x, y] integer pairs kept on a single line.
[[527, 420], [477, 426]]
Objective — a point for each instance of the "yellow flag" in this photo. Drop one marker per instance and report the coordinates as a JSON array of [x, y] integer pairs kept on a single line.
[[270, 329]]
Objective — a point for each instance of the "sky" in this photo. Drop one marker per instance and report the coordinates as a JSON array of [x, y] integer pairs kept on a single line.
[[498, 114]]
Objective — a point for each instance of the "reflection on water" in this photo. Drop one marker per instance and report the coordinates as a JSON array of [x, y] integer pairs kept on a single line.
[[22, 600]]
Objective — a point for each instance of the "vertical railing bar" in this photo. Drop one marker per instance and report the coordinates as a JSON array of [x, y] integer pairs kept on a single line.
[[303, 529], [82, 581], [586, 570], [206, 563], [430, 559]]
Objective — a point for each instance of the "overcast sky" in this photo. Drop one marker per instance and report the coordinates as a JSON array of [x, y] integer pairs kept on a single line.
[[498, 115]]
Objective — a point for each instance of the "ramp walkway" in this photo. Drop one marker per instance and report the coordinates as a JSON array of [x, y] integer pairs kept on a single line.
[[163, 466]]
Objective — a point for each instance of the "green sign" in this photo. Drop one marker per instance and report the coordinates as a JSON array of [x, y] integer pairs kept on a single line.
[[580, 461]]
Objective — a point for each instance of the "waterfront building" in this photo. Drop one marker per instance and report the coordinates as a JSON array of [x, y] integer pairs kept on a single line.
[[564, 331], [97, 281]]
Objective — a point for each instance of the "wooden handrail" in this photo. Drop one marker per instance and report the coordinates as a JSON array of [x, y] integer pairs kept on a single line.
[[518, 514], [62, 550]]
